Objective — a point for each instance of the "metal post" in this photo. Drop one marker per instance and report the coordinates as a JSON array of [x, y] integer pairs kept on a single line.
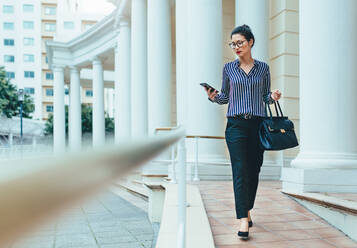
[[21, 96], [195, 178], [181, 238], [34, 143], [172, 171], [21, 133], [11, 140]]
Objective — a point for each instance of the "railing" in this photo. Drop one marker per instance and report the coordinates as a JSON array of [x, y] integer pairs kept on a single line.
[[172, 176], [54, 183], [14, 151]]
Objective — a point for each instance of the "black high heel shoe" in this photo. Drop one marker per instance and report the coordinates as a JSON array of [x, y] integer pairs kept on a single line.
[[243, 235]]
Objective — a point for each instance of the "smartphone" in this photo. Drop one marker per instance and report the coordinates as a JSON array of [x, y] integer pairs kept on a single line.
[[209, 87]]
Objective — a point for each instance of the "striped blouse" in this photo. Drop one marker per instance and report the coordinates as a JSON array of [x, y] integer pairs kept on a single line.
[[245, 93]]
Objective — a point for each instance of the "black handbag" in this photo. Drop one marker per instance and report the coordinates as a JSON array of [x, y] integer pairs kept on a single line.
[[277, 132]]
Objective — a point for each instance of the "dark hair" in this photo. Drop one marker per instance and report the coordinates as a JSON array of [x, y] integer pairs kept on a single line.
[[245, 31]]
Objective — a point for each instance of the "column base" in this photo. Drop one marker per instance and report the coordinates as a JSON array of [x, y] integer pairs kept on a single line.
[[319, 180], [213, 170], [316, 160]]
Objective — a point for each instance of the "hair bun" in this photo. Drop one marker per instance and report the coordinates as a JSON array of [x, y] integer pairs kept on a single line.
[[246, 27], [245, 31]]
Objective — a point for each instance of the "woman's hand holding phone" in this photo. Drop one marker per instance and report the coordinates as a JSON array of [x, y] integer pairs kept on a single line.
[[211, 92]]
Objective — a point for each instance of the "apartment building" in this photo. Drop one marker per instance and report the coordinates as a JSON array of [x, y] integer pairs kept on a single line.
[[26, 26], [20, 47]]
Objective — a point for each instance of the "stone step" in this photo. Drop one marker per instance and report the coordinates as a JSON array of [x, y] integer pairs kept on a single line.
[[340, 213], [133, 187]]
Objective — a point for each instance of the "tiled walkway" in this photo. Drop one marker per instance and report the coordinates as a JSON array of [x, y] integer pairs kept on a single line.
[[278, 221], [108, 221]]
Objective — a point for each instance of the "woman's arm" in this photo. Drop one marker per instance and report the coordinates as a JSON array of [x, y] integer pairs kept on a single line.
[[267, 92], [223, 97]]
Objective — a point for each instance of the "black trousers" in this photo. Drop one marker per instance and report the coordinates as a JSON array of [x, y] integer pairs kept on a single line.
[[246, 159]]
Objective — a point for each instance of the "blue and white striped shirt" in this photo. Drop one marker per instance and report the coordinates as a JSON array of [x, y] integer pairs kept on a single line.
[[245, 93]]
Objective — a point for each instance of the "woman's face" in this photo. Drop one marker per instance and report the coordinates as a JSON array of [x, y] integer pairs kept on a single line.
[[241, 46]]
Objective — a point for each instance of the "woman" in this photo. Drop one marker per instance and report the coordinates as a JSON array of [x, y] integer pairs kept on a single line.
[[246, 89]]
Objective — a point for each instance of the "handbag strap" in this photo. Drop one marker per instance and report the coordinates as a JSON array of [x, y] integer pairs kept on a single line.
[[266, 113], [278, 110]]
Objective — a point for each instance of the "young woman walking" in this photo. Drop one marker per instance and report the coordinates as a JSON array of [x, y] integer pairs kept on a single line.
[[246, 89]]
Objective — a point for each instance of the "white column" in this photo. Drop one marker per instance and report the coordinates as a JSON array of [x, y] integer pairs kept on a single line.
[[106, 101], [328, 115], [122, 82], [255, 13], [181, 58], [204, 64], [139, 89], [59, 131], [98, 104], [75, 120], [110, 95], [159, 64]]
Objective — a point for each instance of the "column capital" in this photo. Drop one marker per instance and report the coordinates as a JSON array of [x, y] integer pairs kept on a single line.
[[58, 68], [74, 68], [121, 21], [124, 21], [96, 60]]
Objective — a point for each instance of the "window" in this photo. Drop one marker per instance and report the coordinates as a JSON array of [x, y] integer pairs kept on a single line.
[[9, 58], [88, 26], [46, 58], [50, 27], [49, 76], [9, 26], [28, 25], [28, 7], [29, 41], [10, 74], [50, 10], [29, 74], [49, 108], [9, 42], [49, 92], [30, 91], [29, 58], [68, 25], [8, 9], [89, 93]]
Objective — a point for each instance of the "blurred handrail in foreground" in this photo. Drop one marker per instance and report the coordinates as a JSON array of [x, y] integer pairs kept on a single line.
[[29, 199]]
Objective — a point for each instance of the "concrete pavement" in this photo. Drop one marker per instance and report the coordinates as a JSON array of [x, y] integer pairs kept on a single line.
[[107, 221]]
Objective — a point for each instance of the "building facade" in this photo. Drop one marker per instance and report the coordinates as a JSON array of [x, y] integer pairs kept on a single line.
[[20, 46], [159, 52], [26, 25]]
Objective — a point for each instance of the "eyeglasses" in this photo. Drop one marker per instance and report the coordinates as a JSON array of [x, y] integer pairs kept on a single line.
[[236, 44]]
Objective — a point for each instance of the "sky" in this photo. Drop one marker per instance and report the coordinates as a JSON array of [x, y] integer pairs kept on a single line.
[[97, 6]]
